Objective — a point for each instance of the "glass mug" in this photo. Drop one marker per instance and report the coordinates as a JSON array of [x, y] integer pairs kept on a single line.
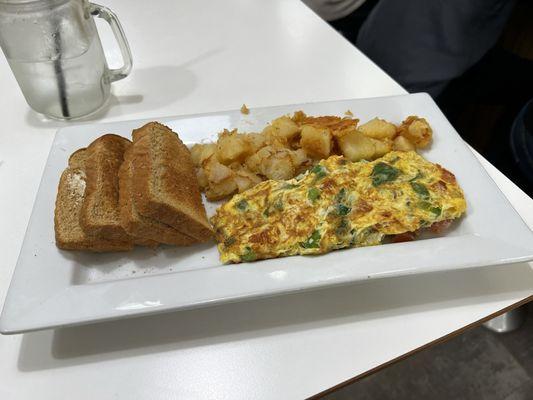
[[55, 53]]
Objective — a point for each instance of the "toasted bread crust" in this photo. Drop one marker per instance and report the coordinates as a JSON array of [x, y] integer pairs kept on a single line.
[[100, 210], [137, 225], [165, 186], [78, 158], [150, 128], [70, 196]]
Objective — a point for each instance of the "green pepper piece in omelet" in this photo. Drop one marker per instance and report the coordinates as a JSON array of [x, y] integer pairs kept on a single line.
[[337, 204]]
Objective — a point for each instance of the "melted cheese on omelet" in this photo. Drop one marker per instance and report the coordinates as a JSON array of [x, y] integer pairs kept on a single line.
[[337, 204]]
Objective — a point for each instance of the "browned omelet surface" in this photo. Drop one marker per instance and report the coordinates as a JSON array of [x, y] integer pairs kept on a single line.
[[337, 204]]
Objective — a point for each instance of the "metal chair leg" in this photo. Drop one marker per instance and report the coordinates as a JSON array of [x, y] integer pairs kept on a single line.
[[507, 322]]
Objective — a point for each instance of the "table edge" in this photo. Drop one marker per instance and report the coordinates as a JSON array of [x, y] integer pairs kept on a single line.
[[432, 343]]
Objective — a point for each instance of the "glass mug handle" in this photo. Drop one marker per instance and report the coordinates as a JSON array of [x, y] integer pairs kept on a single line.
[[105, 13]]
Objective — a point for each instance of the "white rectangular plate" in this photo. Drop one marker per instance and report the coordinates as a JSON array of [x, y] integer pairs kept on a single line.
[[52, 288]]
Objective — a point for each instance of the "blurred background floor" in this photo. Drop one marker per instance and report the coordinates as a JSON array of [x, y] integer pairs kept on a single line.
[[478, 364]]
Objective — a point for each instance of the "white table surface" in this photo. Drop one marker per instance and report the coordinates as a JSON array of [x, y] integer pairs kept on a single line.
[[192, 57]]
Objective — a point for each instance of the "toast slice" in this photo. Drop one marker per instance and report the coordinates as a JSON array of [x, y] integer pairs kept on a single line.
[[100, 215], [164, 185], [137, 225], [70, 196]]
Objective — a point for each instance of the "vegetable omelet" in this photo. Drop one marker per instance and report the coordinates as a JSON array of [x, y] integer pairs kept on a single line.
[[337, 204]]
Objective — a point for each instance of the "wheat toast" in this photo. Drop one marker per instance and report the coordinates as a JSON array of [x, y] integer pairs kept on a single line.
[[70, 196], [100, 214], [164, 186], [138, 225]]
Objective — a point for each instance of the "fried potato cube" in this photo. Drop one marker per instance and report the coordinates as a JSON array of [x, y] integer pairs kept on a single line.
[[355, 146], [224, 188], [245, 179], [232, 147], [417, 130], [255, 161], [203, 182], [271, 137], [220, 178], [282, 132], [300, 161], [298, 157], [316, 142], [382, 147], [255, 140], [378, 129], [344, 127], [298, 117], [401, 143], [285, 128], [278, 166], [196, 152], [200, 152], [217, 172], [276, 162]]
